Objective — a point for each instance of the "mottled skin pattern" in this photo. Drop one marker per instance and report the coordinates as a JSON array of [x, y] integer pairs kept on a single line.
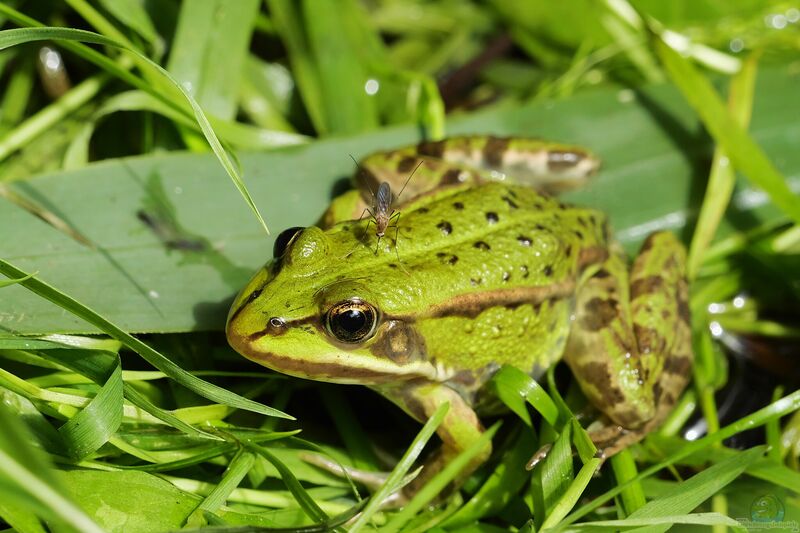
[[492, 274]]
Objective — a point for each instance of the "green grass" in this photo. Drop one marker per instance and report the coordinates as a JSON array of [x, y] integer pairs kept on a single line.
[[691, 106]]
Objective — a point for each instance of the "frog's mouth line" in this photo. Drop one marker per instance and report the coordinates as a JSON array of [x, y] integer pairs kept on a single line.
[[318, 371]]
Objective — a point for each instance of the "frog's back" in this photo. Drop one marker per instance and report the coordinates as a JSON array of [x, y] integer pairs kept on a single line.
[[490, 273]]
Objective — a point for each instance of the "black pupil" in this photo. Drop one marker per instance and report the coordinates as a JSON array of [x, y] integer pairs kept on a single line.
[[283, 240], [352, 320]]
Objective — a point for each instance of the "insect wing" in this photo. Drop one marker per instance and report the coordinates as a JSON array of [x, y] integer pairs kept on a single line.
[[383, 199]]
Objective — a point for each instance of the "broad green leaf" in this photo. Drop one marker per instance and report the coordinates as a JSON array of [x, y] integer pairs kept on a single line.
[[144, 284], [204, 388]]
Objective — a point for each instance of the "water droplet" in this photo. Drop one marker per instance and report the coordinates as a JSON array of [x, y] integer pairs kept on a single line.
[[371, 86], [626, 96], [736, 45], [153, 294]]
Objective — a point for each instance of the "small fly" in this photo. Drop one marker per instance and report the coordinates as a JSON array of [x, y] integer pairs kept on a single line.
[[382, 214]]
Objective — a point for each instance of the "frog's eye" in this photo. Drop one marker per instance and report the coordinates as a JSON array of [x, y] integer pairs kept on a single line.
[[284, 239], [352, 320]]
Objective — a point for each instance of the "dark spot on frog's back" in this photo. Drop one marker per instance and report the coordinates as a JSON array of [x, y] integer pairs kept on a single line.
[[448, 259], [511, 203], [648, 285], [458, 206], [406, 164], [598, 313], [480, 245], [494, 150], [451, 176], [678, 364], [598, 375], [431, 148], [399, 342], [492, 218], [445, 227]]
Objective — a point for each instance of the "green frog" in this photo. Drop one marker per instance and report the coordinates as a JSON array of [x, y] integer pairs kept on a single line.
[[487, 267]]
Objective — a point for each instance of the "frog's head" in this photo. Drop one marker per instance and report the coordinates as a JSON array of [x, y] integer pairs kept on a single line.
[[301, 316]]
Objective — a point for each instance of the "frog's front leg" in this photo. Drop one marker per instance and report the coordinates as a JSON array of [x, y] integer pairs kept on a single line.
[[630, 345], [458, 431]]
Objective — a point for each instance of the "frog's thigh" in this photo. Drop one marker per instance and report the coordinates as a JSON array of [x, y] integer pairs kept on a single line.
[[627, 334]]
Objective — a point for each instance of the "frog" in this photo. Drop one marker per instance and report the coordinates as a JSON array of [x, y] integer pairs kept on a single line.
[[488, 267]]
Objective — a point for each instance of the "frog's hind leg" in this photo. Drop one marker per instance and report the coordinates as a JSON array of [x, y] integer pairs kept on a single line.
[[546, 165], [630, 346]]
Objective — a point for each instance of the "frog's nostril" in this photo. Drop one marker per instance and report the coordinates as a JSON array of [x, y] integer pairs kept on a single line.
[[276, 326]]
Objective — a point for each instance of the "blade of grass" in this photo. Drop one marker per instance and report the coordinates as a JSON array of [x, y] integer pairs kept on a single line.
[[393, 480], [624, 468], [17, 36], [203, 388], [43, 213], [569, 497], [290, 27], [722, 179], [777, 409], [52, 114], [355, 439], [134, 16], [514, 387], [554, 475], [9, 282], [88, 430], [208, 51], [502, 485], [437, 484], [342, 76], [23, 468], [698, 519], [237, 469], [306, 502], [743, 152], [689, 494]]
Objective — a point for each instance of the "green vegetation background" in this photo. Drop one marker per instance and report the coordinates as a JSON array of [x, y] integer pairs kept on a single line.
[[144, 144]]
